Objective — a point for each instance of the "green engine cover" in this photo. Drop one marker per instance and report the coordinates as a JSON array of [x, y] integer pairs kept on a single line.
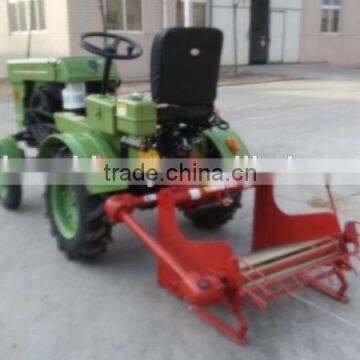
[[136, 117], [100, 112], [122, 115]]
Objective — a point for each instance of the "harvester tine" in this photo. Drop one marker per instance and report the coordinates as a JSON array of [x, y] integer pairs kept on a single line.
[[265, 291], [336, 294], [286, 290], [261, 287], [348, 263], [302, 287], [259, 302], [329, 278], [308, 277]]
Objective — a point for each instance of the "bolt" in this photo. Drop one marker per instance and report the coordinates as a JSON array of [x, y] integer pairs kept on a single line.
[[204, 284], [227, 201]]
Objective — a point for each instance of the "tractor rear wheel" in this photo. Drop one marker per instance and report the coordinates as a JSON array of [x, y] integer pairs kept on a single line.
[[211, 216]]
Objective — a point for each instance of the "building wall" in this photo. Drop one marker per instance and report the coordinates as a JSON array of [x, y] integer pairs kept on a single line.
[[54, 41], [66, 20], [285, 29], [285, 34], [84, 16], [338, 49]]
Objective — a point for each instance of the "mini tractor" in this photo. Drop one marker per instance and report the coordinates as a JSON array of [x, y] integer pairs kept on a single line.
[[68, 107]]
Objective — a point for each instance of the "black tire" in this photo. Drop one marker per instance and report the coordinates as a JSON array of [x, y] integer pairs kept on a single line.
[[12, 198], [93, 232], [210, 216], [94, 229]]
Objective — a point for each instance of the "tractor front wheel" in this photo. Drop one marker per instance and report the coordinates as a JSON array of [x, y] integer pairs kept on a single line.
[[78, 221], [10, 196]]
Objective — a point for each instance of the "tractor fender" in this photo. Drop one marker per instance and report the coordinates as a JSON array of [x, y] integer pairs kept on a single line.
[[219, 138], [9, 147], [84, 146]]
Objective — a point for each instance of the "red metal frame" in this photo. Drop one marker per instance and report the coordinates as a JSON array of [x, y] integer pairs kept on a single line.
[[209, 273]]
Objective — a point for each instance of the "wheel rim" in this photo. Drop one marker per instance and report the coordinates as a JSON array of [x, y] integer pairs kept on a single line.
[[4, 190], [65, 210]]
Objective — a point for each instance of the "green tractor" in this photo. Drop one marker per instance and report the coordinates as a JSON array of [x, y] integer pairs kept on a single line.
[[68, 107]]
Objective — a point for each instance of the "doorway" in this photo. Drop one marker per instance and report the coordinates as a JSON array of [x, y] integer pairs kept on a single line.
[[277, 31], [259, 33]]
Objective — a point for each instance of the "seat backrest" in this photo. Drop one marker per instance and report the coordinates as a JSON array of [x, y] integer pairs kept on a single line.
[[185, 65]]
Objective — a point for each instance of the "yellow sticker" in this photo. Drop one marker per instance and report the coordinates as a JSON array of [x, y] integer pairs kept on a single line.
[[151, 159], [121, 110]]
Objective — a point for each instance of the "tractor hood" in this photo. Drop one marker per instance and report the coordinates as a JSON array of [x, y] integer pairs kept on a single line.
[[61, 70]]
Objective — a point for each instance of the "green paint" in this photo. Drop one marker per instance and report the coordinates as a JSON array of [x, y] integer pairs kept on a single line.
[[9, 147], [28, 74], [61, 70], [68, 123], [85, 145], [65, 210], [100, 111], [136, 117], [112, 115], [218, 137]]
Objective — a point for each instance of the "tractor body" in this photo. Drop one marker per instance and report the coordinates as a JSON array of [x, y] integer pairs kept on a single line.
[[69, 108], [58, 101]]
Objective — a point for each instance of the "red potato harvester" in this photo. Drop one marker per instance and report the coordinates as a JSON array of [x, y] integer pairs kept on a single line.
[[289, 253]]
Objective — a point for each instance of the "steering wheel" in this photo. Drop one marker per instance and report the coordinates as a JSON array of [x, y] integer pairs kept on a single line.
[[110, 52], [134, 50]]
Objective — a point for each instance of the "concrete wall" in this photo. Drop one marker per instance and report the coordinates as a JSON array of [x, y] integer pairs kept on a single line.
[[338, 49], [54, 41], [84, 16]]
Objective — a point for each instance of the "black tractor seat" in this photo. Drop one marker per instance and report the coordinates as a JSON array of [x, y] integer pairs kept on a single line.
[[185, 65]]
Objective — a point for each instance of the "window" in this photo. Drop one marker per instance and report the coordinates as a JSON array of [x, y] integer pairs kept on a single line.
[[124, 15], [199, 13], [330, 16], [25, 15]]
